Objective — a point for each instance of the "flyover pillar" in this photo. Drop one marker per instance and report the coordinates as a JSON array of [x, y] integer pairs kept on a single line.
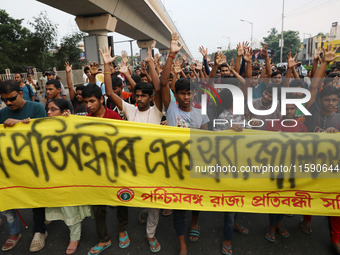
[[143, 45], [164, 53], [97, 27]]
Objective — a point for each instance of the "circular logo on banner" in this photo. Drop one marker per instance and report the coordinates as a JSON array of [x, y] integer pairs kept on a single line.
[[125, 195]]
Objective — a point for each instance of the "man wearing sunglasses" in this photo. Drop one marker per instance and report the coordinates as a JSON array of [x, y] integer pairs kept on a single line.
[[17, 110]]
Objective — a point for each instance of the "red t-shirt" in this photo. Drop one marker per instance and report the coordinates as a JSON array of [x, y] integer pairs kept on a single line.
[[109, 114], [300, 127]]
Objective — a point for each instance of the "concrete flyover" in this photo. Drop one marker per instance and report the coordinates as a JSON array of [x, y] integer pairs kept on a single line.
[[146, 21]]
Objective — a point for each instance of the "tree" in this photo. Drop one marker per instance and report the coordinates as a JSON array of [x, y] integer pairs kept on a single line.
[[42, 42], [13, 40], [291, 43], [69, 51]]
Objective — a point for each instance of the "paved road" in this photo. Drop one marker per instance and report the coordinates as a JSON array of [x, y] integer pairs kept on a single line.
[[209, 243]]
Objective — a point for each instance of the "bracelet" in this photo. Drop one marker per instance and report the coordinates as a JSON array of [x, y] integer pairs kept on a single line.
[[171, 56], [107, 72]]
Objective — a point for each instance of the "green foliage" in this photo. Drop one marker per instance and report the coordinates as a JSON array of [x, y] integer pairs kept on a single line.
[[291, 43], [69, 51], [13, 43]]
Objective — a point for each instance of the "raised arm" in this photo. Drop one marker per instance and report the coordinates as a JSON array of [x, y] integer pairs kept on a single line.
[[316, 61], [184, 60], [240, 51], [155, 80], [107, 59], [247, 57], [264, 53], [174, 49], [68, 69], [124, 69], [291, 64], [328, 56], [94, 72]]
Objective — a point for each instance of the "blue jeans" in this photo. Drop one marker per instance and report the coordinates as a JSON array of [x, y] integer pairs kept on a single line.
[[228, 229], [13, 221]]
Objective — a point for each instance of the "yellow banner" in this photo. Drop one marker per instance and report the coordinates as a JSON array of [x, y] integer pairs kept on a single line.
[[90, 161]]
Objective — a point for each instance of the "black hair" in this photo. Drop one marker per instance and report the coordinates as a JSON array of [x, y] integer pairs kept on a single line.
[[20, 75], [63, 104], [136, 78], [171, 76], [116, 81], [333, 75], [182, 84], [55, 83], [291, 96], [227, 98], [142, 75], [9, 86], [328, 91], [145, 87], [296, 83], [276, 73], [86, 69], [253, 73], [328, 81], [80, 87], [223, 65], [92, 90]]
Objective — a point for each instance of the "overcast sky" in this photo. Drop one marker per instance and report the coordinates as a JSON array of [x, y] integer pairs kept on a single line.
[[209, 23]]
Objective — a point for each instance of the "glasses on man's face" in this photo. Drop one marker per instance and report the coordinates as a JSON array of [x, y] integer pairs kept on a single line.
[[10, 99], [53, 109]]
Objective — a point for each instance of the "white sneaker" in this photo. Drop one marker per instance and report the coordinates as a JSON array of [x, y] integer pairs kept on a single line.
[[38, 242]]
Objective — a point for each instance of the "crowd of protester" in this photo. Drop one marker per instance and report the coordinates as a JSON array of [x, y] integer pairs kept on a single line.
[[167, 94]]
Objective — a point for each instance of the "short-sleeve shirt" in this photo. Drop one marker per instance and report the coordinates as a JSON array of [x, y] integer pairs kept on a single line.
[[258, 90], [30, 109], [79, 108], [178, 118], [109, 114], [257, 103], [27, 92], [231, 118], [319, 122], [151, 116], [277, 126]]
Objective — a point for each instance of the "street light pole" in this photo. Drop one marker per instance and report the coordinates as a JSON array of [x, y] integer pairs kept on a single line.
[[251, 36], [283, 9]]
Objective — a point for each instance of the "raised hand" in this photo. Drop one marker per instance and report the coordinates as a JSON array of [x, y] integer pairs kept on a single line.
[[317, 53], [124, 68], [106, 55], [239, 50], [174, 48], [264, 51], [247, 55], [291, 61], [231, 66], [148, 57], [93, 68], [220, 58], [329, 54], [199, 65], [203, 51], [177, 67], [185, 57], [68, 67]]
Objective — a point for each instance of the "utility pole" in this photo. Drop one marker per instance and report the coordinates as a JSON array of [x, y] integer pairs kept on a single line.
[[283, 10]]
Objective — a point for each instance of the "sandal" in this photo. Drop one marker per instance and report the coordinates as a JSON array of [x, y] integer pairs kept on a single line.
[[307, 229], [99, 249], [284, 233], [72, 247], [241, 229], [153, 245], [194, 234], [229, 251], [122, 241], [166, 212], [11, 243], [270, 237]]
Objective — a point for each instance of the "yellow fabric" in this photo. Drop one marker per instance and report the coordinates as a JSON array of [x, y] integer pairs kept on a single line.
[[78, 160]]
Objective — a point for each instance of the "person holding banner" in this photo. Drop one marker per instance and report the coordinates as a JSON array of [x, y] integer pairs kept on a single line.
[[325, 120], [19, 110], [181, 115], [71, 215], [143, 113]]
